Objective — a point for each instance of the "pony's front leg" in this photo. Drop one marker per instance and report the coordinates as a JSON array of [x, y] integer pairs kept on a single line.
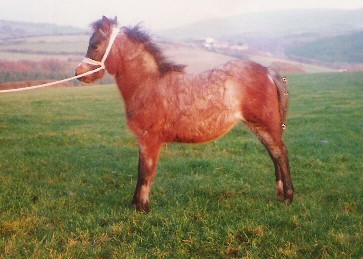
[[148, 159]]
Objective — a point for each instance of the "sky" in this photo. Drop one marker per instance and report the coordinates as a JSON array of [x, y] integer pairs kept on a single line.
[[154, 14]]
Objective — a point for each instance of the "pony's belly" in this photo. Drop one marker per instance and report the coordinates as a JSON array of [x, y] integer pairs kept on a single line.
[[203, 130]]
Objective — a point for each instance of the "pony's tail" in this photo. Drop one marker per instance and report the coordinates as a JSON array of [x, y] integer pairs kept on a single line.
[[283, 95]]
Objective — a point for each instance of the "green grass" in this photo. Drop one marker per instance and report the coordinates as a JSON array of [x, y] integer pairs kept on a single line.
[[68, 171]]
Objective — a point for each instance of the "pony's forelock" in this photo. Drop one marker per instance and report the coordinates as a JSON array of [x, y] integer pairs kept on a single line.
[[98, 25]]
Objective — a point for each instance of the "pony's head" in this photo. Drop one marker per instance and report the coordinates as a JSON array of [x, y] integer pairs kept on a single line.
[[100, 43]]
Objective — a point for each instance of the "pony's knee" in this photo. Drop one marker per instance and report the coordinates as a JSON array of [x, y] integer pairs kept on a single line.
[[279, 152]]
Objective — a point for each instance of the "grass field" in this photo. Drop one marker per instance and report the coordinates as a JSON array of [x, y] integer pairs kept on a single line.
[[68, 171]]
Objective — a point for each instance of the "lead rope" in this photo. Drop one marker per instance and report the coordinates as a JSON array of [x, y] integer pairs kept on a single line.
[[101, 65]]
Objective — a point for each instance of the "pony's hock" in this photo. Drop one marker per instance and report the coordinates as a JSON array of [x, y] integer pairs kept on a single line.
[[165, 104]]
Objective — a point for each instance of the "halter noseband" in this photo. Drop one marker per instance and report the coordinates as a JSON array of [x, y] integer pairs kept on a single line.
[[101, 63]]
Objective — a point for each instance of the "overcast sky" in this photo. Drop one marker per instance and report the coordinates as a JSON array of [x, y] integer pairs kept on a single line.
[[156, 14]]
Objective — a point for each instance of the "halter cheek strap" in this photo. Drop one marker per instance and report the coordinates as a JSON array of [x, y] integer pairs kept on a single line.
[[101, 63]]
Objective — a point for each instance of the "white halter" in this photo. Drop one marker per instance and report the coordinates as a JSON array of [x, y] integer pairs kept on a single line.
[[101, 63]]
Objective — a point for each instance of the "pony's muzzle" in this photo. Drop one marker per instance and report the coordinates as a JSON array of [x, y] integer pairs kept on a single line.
[[89, 78], [81, 69]]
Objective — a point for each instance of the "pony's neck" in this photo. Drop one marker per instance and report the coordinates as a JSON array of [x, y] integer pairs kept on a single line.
[[131, 65]]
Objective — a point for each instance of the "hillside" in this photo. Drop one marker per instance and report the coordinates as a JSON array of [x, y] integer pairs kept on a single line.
[[323, 37], [15, 29], [345, 48], [33, 53], [274, 24]]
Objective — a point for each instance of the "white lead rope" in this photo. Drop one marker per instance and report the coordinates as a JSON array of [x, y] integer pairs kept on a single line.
[[101, 65]]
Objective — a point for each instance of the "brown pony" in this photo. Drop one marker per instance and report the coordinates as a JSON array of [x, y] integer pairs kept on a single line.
[[165, 104]]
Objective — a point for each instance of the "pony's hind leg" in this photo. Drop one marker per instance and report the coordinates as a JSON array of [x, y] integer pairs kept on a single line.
[[279, 184], [284, 186], [272, 140], [148, 159]]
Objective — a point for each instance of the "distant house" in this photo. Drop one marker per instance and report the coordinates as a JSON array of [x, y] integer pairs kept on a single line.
[[211, 43]]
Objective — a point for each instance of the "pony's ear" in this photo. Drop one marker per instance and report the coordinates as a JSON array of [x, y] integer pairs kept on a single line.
[[105, 24], [115, 20]]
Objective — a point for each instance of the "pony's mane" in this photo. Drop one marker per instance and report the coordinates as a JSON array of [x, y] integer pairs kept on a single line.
[[137, 34]]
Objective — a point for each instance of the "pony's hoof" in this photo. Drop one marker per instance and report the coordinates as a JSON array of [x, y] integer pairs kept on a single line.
[[287, 201], [289, 196], [141, 207], [280, 195]]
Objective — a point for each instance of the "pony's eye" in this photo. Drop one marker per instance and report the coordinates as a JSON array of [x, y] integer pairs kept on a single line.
[[94, 45]]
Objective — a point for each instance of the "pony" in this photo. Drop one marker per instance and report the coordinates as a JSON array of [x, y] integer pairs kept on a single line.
[[165, 104]]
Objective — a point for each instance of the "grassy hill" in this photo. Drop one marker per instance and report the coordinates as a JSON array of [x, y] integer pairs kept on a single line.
[[15, 29], [345, 48]]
